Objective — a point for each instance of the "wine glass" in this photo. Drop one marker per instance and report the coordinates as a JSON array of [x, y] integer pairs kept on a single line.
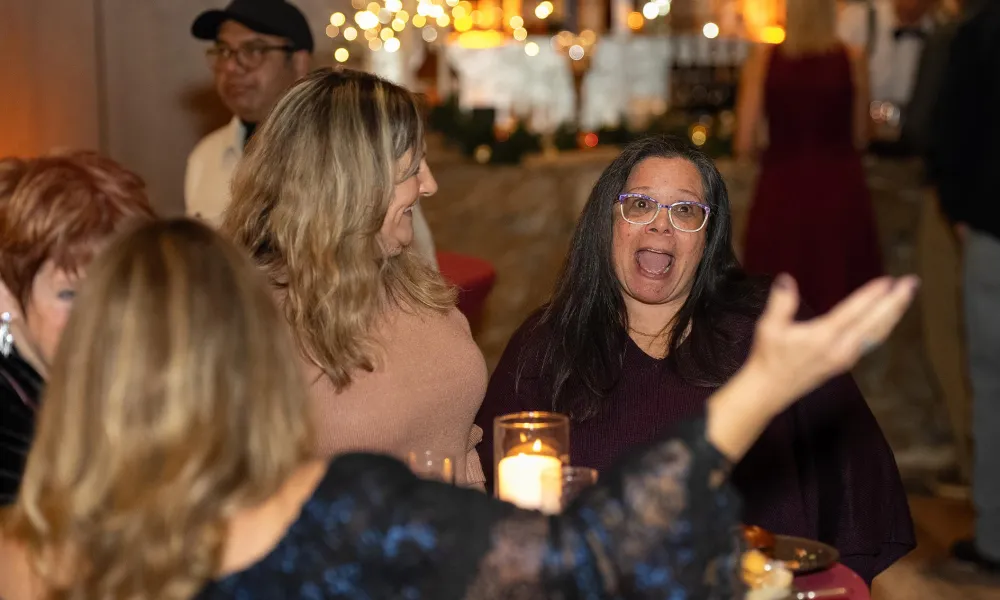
[[429, 464], [574, 481], [571, 481]]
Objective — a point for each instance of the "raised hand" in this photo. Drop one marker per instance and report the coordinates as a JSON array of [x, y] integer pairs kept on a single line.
[[803, 355], [788, 358]]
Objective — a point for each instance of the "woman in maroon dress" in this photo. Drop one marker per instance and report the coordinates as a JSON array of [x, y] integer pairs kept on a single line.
[[811, 215]]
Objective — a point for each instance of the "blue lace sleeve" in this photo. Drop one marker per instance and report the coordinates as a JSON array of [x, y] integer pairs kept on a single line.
[[662, 525]]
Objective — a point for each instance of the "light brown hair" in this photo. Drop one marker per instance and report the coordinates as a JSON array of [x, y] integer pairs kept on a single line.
[[59, 208], [172, 404], [810, 27], [309, 199]]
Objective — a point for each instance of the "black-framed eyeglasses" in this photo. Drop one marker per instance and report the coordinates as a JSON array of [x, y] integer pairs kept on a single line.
[[686, 216], [249, 56]]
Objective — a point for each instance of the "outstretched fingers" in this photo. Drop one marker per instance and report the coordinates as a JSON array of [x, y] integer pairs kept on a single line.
[[871, 327], [855, 306], [782, 302]]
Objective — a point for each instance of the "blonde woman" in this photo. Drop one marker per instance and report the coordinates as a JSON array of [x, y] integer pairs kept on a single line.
[[811, 215], [172, 461], [323, 202]]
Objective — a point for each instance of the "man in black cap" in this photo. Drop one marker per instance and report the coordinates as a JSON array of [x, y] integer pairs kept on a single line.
[[261, 48]]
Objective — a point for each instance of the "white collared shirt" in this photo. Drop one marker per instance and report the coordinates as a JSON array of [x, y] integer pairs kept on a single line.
[[210, 169], [893, 63]]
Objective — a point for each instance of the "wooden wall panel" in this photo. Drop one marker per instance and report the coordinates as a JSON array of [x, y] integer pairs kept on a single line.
[[160, 99], [49, 76], [121, 76], [158, 91]]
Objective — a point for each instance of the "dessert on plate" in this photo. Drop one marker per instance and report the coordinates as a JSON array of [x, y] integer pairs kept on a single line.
[[765, 578]]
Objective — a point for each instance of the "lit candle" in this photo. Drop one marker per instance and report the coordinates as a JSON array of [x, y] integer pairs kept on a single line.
[[529, 449], [522, 481], [535, 447]]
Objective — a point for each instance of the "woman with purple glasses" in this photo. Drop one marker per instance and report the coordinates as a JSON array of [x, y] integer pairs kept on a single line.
[[651, 314]]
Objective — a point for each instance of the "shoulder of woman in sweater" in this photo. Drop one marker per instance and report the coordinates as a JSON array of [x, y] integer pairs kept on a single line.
[[422, 323]]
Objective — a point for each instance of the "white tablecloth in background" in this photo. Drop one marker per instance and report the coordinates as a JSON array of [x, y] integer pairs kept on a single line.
[[629, 76], [539, 88]]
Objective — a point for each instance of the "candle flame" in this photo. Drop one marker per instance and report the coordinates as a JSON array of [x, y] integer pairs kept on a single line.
[[537, 446]]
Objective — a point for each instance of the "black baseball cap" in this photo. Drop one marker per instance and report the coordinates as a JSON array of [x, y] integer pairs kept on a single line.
[[273, 17]]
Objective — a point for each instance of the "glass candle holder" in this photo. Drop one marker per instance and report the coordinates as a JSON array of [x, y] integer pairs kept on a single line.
[[525, 446]]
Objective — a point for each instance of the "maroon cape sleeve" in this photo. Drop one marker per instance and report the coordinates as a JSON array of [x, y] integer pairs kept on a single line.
[[823, 470], [859, 497], [514, 387]]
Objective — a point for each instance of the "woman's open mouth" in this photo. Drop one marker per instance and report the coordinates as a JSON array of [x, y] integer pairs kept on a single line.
[[653, 262]]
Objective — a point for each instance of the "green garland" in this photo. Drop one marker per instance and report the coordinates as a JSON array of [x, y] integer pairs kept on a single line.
[[474, 135]]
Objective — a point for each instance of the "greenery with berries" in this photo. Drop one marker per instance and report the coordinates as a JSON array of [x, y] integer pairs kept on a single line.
[[474, 134]]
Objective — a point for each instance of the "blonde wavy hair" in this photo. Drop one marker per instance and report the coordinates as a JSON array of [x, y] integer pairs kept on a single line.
[[810, 27], [172, 404], [309, 199]]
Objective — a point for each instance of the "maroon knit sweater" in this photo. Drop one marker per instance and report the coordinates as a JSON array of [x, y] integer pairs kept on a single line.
[[822, 470]]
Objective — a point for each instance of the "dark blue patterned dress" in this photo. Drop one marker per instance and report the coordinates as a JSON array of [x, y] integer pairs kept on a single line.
[[659, 526]]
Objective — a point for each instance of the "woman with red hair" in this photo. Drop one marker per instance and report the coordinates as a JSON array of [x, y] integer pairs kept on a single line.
[[56, 212]]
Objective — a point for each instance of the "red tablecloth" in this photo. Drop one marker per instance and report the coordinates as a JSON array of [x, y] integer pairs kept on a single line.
[[474, 277], [837, 577]]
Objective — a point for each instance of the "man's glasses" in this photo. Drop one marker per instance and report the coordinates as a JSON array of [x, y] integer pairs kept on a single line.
[[248, 57], [639, 209]]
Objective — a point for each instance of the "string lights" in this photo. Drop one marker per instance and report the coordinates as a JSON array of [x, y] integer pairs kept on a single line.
[[486, 24], [381, 23]]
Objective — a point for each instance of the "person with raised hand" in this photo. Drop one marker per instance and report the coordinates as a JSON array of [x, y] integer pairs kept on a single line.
[[173, 460]]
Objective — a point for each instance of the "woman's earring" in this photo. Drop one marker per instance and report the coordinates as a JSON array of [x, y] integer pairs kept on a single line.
[[6, 335]]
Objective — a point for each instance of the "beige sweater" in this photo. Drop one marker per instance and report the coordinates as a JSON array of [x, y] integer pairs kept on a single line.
[[423, 395]]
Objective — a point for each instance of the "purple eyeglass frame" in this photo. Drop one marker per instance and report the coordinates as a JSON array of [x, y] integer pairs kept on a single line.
[[620, 200]]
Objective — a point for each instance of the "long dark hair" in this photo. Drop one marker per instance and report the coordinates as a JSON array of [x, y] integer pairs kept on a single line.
[[586, 318]]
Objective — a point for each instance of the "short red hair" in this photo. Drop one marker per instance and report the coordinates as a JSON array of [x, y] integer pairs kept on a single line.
[[59, 208]]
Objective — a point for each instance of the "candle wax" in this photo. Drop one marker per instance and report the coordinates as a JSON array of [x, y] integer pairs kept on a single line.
[[520, 480]]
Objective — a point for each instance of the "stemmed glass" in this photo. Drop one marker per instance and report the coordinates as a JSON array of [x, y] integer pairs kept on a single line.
[[572, 481], [428, 464]]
